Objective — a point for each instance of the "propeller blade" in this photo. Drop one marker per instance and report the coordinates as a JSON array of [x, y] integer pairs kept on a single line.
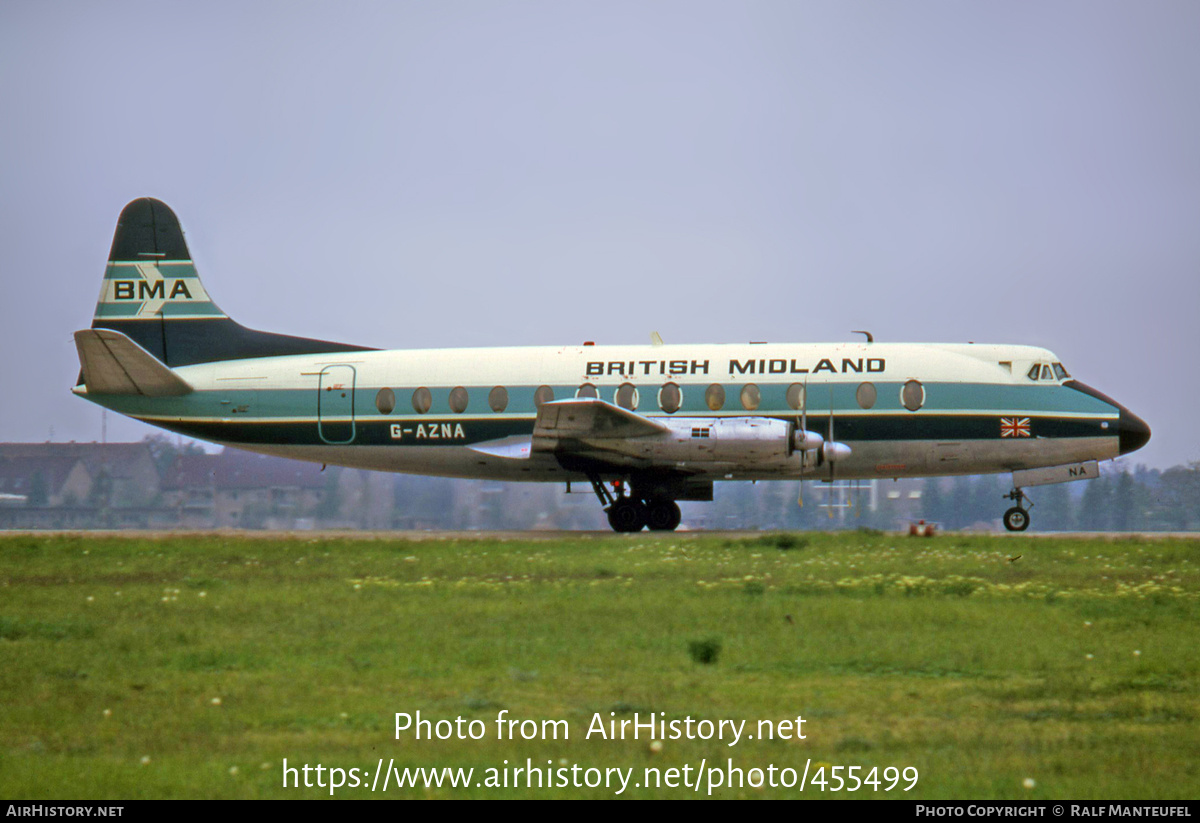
[[804, 407], [831, 440], [832, 463]]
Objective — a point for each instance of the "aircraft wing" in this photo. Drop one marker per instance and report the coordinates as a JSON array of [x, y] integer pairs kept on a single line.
[[584, 427], [592, 419], [597, 432]]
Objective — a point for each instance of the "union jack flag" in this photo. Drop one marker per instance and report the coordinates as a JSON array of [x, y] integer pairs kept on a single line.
[[1014, 427]]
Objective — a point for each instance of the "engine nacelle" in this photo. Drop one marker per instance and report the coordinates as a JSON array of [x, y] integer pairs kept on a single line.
[[737, 440], [753, 438]]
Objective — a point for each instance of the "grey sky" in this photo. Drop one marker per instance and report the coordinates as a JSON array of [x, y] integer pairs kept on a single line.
[[498, 173]]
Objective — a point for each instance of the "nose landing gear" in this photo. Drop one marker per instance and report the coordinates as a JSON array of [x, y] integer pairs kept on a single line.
[[1016, 519]]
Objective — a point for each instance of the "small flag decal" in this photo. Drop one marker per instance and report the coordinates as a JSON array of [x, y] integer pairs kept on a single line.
[[1014, 427]]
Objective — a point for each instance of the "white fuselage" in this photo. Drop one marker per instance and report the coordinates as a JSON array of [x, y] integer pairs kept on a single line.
[[902, 409]]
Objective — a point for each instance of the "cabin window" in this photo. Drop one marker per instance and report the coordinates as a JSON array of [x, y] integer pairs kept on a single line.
[[587, 390], [498, 399], [544, 394], [1060, 372], [751, 397], [913, 395], [1033, 372], [865, 395], [714, 396], [422, 400], [626, 396], [670, 398], [385, 401], [458, 400], [796, 396]]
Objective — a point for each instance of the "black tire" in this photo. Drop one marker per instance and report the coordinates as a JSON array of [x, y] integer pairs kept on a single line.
[[663, 515], [627, 515], [1016, 519]]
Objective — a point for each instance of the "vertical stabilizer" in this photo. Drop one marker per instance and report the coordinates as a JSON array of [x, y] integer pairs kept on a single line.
[[152, 294], [150, 274]]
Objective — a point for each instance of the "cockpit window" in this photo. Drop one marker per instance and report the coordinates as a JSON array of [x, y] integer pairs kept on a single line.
[[1044, 371]]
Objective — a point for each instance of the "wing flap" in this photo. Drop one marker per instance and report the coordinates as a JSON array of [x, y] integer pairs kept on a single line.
[[114, 364]]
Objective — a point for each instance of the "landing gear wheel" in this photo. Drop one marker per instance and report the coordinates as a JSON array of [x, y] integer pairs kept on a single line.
[[1016, 519], [662, 515], [627, 515]]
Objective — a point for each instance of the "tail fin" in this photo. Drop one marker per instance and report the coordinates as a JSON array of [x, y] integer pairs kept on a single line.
[[150, 274], [153, 295]]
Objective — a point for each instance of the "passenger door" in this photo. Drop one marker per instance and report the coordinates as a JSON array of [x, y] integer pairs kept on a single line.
[[335, 405]]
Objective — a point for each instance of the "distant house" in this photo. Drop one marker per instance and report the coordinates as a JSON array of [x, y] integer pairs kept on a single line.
[[117, 474], [44, 481], [237, 489], [76, 485]]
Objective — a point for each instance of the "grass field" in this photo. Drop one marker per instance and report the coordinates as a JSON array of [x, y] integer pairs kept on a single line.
[[192, 666]]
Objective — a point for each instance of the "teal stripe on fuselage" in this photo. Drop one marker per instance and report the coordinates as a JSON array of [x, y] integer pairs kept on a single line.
[[1035, 399], [941, 398]]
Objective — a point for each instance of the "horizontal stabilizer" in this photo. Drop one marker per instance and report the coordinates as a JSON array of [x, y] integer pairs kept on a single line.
[[114, 364]]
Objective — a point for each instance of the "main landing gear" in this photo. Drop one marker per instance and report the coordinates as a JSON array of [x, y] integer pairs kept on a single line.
[[631, 513], [1016, 519]]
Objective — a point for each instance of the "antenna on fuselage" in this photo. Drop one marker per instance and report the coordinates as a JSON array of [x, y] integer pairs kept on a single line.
[[870, 337]]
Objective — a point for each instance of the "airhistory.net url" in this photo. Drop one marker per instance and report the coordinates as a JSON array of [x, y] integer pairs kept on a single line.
[[706, 777]]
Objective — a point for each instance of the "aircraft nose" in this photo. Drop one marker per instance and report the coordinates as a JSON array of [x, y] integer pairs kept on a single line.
[[1134, 433], [1132, 430]]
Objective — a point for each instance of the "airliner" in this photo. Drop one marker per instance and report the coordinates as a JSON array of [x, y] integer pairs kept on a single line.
[[646, 426]]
